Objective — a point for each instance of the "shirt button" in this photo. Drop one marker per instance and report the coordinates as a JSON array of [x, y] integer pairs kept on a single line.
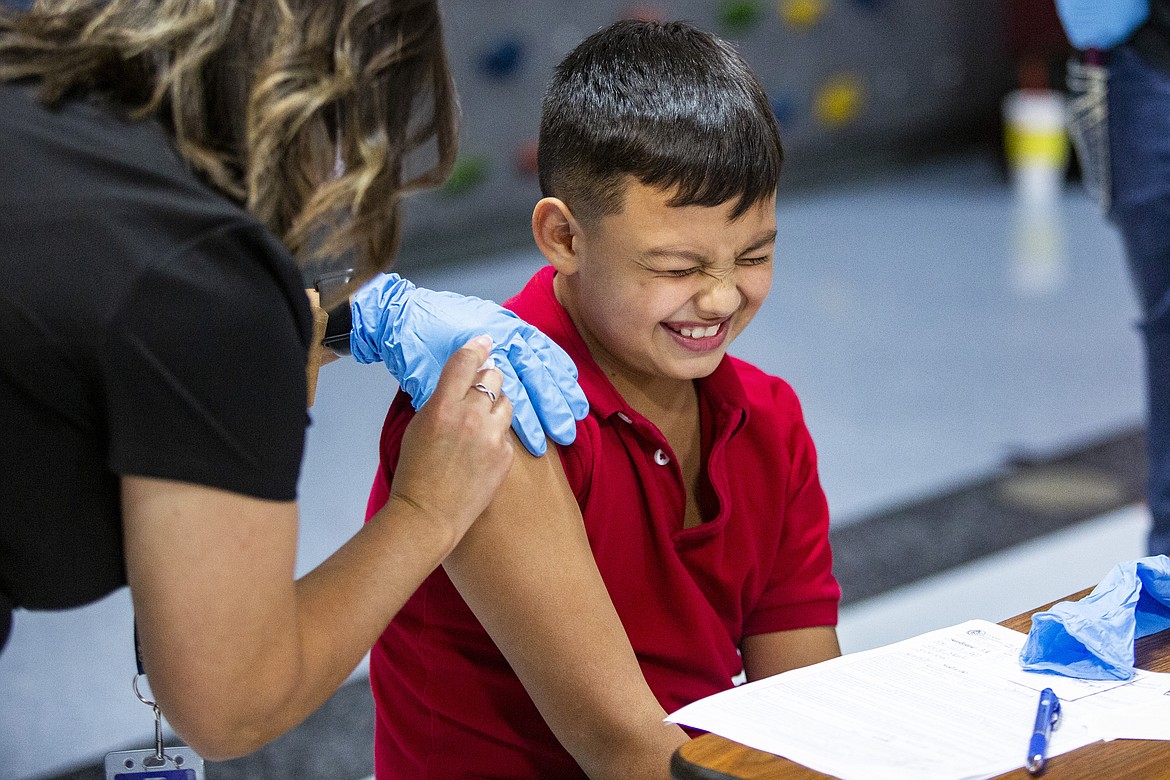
[[661, 458], [624, 417]]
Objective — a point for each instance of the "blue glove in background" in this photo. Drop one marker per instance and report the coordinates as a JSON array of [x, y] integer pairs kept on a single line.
[[414, 330], [1093, 638], [1101, 24]]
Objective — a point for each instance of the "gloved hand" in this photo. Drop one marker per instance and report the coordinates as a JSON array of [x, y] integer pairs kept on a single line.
[[1101, 24], [1093, 638], [414, 330]]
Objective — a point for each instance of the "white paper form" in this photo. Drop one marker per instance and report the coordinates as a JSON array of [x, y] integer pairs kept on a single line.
[[1140, 710], [1149, 720], [952, 703]]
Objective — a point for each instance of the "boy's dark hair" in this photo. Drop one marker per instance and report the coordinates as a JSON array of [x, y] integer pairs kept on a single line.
[[666, 103]]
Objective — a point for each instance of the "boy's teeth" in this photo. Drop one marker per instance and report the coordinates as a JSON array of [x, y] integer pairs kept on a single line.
[[699, 333]]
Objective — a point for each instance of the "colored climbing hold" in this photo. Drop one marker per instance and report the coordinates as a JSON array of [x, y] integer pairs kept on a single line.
[[739, 16], [784, 109], [467, 174], [502, 59], [644, 12], [802, 14], [840, 101], [526, 158]]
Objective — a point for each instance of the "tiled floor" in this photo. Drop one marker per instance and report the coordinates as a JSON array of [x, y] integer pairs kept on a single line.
[[932, 332]]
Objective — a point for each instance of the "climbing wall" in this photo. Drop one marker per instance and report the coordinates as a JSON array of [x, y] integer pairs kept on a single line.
[[847, 79]]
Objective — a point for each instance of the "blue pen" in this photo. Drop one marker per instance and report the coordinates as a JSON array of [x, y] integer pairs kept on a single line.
[[1047, 718]]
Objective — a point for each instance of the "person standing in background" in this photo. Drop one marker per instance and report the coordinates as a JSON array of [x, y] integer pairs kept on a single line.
[[1130, 39]]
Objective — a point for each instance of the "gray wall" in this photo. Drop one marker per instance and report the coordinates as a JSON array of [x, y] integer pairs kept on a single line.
[[850, 82]]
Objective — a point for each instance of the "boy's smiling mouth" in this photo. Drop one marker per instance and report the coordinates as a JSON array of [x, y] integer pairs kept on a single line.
[[698, 337], [697, 333]]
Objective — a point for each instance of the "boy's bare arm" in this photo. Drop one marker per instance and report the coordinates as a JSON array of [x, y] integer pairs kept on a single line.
[[526, 570], [767, 654]]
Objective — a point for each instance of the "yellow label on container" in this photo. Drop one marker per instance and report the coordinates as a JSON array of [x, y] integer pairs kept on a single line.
[[1036, 146]]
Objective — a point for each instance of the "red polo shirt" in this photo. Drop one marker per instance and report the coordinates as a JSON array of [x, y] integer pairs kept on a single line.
[[448, 704]]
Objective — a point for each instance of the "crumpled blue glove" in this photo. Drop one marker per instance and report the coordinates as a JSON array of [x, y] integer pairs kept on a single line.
[[1101, 24], [414, 330], [1093, 638]]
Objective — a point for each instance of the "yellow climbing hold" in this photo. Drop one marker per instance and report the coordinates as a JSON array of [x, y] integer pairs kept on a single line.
[[840, 100], [802, 14]]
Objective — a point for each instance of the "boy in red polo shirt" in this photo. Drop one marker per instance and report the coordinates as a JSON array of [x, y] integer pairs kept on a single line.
[[694, 473]]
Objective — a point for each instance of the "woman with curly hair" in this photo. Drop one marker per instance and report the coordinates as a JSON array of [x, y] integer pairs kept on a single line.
[[170, 172]]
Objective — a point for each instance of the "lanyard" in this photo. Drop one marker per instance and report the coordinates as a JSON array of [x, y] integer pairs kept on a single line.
[[159, 756]]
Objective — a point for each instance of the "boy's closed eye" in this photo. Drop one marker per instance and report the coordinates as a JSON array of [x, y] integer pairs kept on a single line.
[[694, 269], [754, 260]]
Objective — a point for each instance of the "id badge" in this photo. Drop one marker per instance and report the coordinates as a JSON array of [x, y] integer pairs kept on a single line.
[[177, 763]]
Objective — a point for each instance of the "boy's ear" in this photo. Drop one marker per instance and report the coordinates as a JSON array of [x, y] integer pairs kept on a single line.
[[555, 231]]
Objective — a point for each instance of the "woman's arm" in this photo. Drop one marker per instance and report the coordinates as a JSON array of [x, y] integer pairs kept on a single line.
[[527, 572], [236, 650]]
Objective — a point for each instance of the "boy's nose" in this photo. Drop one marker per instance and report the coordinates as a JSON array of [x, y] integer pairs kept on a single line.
[[720, 297]]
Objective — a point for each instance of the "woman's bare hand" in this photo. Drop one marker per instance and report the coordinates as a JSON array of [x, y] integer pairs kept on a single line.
[[458, 449]]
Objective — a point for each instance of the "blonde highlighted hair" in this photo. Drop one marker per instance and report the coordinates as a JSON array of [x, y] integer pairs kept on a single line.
[[310, 112]]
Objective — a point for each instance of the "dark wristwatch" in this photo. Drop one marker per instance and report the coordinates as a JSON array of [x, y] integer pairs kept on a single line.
[[338, 328], [340, 316]]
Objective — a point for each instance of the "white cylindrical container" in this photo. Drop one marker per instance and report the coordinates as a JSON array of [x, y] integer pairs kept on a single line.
[[1036, 144]]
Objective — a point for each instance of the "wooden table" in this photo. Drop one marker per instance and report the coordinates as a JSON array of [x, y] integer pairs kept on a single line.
[[711, 757]]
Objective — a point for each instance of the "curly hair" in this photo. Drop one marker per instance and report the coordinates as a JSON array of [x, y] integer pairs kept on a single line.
[[314, 114]]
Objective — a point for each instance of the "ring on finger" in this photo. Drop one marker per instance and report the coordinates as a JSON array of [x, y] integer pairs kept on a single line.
[[491, 394]]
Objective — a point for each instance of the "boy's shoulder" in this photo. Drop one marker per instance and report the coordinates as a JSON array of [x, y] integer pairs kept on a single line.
[[762, 388], [536, 299], [772, 422]]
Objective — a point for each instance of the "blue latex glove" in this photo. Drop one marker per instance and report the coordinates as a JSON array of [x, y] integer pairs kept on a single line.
[[1101, 24], [1093, 638], [414, 330]]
